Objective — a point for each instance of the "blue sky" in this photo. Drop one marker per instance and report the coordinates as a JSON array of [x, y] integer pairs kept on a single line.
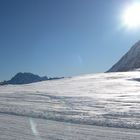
[[62, 37]]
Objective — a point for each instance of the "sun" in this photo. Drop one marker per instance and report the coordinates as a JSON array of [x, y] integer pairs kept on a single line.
[[131, 16]]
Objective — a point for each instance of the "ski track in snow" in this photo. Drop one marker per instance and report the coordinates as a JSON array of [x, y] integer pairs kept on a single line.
[[107, 99]]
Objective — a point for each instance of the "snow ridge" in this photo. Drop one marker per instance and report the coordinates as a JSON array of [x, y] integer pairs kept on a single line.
[[130, 61]]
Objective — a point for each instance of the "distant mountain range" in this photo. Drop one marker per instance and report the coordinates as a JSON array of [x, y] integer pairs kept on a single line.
[[26, 78], [130, 61]]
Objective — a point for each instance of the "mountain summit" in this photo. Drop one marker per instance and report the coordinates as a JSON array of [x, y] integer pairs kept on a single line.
[[24, 78], [130, 61]]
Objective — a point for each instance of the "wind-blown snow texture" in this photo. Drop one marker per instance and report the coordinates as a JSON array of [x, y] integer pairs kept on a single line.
[[108, 99]]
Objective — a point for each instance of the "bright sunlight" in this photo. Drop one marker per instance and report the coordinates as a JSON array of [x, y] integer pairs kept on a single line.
[[131, 16]]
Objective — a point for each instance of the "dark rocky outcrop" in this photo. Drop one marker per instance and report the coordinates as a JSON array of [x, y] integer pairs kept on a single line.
[[24, 78]]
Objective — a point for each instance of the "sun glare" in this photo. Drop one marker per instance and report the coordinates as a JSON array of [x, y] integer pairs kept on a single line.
[[131, 16]]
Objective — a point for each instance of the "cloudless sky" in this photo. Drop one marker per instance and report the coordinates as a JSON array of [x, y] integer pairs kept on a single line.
[[62, 37]]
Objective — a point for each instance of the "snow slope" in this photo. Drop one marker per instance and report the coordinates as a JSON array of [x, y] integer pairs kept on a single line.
[[82, 102], [130, 61], [14, 127]]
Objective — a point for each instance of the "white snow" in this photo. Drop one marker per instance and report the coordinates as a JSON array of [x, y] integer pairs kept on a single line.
[[130, 61], [106, 103], [14, 127]]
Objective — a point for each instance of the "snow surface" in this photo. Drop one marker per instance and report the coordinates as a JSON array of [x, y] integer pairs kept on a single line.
[[130, 61], [14, 127], [99, 106]]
